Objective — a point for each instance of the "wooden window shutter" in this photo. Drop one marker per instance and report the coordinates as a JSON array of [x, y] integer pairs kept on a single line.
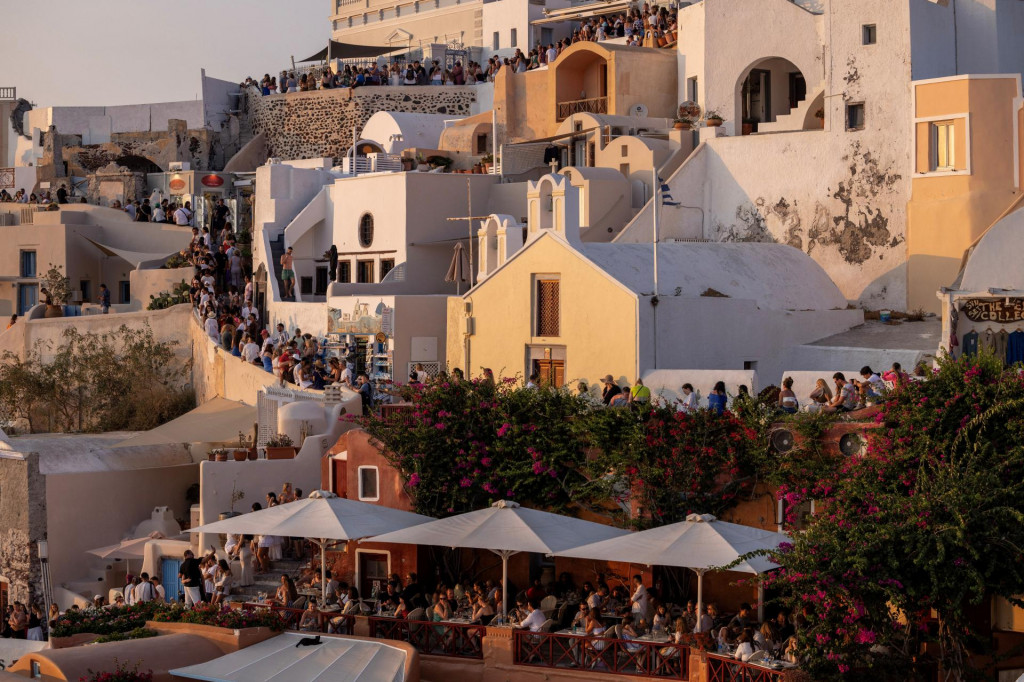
[[547, 307]]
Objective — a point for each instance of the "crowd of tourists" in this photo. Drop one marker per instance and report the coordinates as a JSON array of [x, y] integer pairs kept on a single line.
[[44, 198]]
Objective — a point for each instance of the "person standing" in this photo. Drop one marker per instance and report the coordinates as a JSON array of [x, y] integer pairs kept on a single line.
[[191, 579], [183, 216], [62, 194], [288, 274]]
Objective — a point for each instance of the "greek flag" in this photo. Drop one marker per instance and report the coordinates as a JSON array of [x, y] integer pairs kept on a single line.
[[666, 195]]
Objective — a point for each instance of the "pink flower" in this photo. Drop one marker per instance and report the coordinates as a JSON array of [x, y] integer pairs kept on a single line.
[[465, 483], [866, 637], [414, 480], [503, 429], [485, 461], [439, 426], [538, 467]]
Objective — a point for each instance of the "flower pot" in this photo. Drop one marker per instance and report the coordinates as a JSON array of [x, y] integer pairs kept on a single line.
[[211, 456], [222, 456], [478, 169], [487, 168], [408, 164], [714, 122], [748, 128], [252, 454], [240, 455], [681, 125], [54, 311], [281, 453]]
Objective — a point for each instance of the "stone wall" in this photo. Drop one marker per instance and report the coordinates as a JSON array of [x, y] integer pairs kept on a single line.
[[22, 525], [308, 125]]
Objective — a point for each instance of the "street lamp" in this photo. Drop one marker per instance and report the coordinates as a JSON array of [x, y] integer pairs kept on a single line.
[[43, 549]]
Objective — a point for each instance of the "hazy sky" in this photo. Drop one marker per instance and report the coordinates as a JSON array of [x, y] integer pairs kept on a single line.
[[106, 52]]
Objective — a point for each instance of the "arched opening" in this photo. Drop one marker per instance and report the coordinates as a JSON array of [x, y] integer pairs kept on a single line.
[[547, 210], [138, 164], [766, 90], [581, 84]]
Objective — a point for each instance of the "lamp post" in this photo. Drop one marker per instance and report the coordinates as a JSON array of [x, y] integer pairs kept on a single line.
[[43, 550]]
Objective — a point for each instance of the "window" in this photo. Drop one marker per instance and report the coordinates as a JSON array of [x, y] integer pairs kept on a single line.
[[320, 287], [364, 272], [345, 271], [515, 41], [497, 41], [368, 489], [869, 34], [942, 146], [125, 290], [481, 143], [547, 307], [85, 286], [624, 169], [386, 266], [28, 263], [547, 36], [855, 116], [625, 150], [691, 88], [366, 230]]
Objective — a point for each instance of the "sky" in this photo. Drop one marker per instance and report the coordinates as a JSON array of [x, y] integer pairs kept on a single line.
[[111, 52]]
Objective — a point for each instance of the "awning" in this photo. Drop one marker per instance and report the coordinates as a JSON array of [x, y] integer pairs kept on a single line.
[[576, 13], [336, 50], [217, 421], [282, 659], [136, 258]]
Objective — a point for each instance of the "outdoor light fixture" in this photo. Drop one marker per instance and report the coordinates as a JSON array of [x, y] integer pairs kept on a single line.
[[42, 547]]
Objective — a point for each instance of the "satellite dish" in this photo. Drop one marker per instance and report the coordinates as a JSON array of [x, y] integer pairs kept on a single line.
[[851, 445], [639, 110]]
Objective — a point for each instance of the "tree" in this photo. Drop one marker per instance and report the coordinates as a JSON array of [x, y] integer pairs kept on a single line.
[[930, 520], [125, 380]]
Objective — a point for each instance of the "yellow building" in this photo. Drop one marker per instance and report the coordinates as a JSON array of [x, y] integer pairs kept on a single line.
[[967, 172]]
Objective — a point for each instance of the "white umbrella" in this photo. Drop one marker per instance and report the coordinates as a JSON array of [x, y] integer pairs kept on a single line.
[[505, 528], [459, 269], [126, 549], [701, 543], [323, 517]]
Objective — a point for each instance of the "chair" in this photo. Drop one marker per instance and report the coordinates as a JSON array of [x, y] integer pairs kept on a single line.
[[550, 625], [757, 656], [548, 603], [562, 611]]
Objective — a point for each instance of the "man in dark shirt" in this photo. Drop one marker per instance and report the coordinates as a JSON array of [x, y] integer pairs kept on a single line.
[[191, 579], [219, 216], [413, 593], [62, 194], [611, 389], [366, 393]]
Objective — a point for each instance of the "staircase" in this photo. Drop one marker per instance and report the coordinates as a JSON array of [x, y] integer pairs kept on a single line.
[[794, 120], [276, 251], [267, 582]]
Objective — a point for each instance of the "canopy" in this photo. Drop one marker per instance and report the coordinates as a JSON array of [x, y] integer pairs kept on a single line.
[[322, 517], [459, 268], [135, 258], [282, 659], [215, 421], [701, 543], [505, 528], [336, 50], [126, 549]]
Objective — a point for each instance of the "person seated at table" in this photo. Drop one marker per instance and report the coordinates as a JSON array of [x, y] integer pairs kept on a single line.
[[743, 618], [580, 619], [441, 609], [401, 608], [723, 639], [764, 637], [536, 591], [564, 586], [286, 593], [491, 590], [536, 618], [310, 621], [483, 610], [352, 603], [497, 601], [783, 628], [744, 646], [789, 652]]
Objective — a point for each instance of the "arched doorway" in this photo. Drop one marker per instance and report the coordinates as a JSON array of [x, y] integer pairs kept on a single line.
[[767, 89]]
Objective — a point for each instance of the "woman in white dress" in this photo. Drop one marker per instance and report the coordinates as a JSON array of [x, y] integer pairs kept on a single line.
[[222, 582], [245, 560]]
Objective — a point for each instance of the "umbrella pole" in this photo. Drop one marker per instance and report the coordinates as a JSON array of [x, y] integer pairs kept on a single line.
[[760, 602], [504, 588], [700, 597], [323, 572]]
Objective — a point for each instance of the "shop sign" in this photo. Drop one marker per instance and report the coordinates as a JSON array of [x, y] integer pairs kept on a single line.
[[177, 185], [1000, 310], [212, 180]]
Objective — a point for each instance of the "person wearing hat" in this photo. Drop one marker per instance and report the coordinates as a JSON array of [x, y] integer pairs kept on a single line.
[[610, 390], [212, 328]]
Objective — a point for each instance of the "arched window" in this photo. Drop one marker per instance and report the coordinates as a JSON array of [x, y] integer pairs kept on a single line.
[[366, 230]]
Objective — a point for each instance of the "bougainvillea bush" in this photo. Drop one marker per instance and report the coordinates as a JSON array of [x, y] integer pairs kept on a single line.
[[112, 620], [929, 522], [121, 673]]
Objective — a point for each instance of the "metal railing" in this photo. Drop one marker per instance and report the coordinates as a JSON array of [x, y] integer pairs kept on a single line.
[[8, 93], [664, 660], [458, 640], [594, 105], [373, 163], [728, 669]]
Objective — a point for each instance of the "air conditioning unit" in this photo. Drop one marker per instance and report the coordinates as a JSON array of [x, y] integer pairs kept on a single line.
[[76, 296], [468, 325], [178, 166]]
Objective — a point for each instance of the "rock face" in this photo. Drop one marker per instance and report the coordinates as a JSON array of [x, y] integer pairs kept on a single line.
[[22, 525], [308, 125]]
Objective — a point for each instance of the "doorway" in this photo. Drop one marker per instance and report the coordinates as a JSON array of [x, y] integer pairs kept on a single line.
[[552, 372], [169, 575], [757, 97], [28, 296], [797, 89], [373, 571]]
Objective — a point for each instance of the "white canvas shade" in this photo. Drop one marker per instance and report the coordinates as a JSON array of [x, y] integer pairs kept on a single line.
[[505, 528], [126, 549], [701, 543], [323, 518]]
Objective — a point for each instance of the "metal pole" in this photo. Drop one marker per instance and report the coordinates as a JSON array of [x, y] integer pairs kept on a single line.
[[654, 213], [323, 571], [355, 171], [504, 588], [760, 602], [469, 220], [700, 597]]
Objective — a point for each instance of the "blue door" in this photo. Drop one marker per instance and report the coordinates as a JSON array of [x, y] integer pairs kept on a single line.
[[169, 577], [28, 296]]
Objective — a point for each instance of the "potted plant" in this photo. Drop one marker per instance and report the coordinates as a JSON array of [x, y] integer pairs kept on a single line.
[[714, 119], [280, 447], [820, 115], [421, 164], [58, 286], [236, 496], [220, 455], [750, 125], [246, 449], [212, 454], [487, 160], [408, 164], [683, 123]]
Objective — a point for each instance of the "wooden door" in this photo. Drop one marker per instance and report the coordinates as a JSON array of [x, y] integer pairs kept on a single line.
[[552, 372], [373, 573]]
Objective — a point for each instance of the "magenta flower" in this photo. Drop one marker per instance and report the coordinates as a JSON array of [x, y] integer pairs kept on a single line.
[[465, 483], [414, 480], [503, 429]]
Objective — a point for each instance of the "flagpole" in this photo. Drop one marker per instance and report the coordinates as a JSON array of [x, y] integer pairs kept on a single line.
[[655, 186]]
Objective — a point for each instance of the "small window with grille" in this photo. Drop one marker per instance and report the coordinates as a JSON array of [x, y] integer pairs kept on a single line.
[[547, 307]]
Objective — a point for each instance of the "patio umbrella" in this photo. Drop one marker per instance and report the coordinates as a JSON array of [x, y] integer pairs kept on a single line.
[[459, 268], [504, 528], [126, 549], [323, 518], [701, 543]]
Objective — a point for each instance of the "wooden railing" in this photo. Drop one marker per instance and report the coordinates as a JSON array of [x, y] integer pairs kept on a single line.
[[595, 105], [458, 640], [728, 669], [340, 624], [618, 656]]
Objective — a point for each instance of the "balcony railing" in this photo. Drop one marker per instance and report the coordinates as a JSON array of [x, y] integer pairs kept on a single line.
[[728, 669], [341, 624], [8, 93], [459, 640], [639, 658], [594, 105]]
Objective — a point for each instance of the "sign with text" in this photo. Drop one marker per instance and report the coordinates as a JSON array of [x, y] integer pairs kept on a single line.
[[1001, 310]]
